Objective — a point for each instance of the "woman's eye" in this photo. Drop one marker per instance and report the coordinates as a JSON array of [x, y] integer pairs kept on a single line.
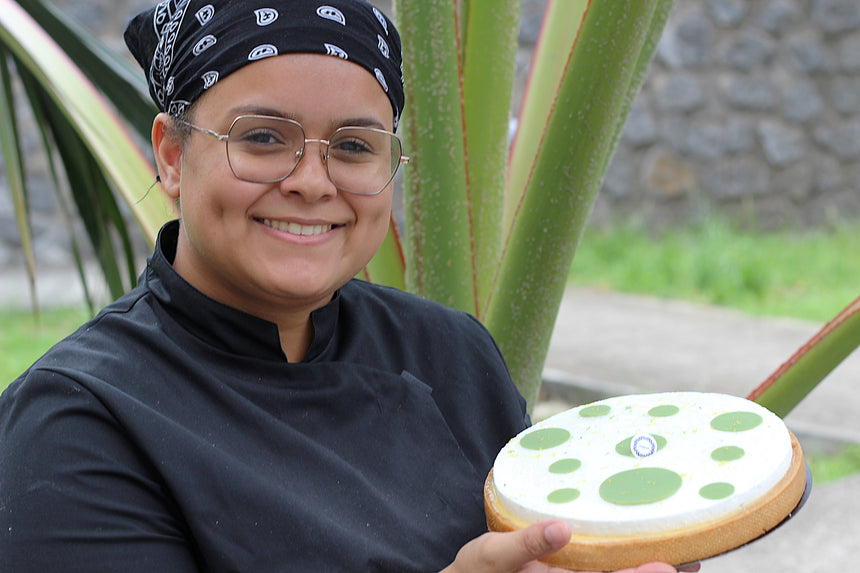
[[262, 137], [352, 145]]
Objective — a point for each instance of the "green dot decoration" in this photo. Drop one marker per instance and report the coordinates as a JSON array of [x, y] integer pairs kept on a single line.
[[640, 486], [727, 454], [572, 471], [663, 411], [719, 490], [595, 411], [736, 421], [623, 447], [564, 495], [545, 439], [565, 466]]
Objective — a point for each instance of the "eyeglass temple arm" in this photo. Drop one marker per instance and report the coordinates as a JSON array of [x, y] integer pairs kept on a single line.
[[218, 136]]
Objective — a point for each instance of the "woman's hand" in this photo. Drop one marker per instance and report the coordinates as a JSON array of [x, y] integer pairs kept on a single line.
[[519, 551]]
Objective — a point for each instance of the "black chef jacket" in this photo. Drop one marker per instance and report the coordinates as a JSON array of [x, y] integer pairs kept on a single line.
[[170, 434]]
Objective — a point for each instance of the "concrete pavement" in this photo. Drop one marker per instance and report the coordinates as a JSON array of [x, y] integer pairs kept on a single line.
[[607, 343]]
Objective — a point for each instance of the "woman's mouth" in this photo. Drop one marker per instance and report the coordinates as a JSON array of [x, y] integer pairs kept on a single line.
[[297, 228]]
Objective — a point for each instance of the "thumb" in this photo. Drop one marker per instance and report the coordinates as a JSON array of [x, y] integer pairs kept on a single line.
[[555, 535], [507, 552]]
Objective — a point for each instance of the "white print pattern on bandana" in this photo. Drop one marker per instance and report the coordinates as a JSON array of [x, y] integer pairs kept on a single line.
[[177, 107], [381, 78], [263, 51], [331, 13], [204, 44], [205, 14], [266, 16], [209, 79], [167, 19], [333, 50], [383, 46], [381, 19]]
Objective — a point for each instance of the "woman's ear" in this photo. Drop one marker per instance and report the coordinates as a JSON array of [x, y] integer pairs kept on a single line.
[[167, 147]]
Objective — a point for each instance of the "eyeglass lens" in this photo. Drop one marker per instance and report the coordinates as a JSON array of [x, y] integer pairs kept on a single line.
[[267, 149]]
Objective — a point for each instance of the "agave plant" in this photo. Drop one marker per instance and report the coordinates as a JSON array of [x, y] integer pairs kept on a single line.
[[494, 232], [84, 136], [812, 362], [491, 226]]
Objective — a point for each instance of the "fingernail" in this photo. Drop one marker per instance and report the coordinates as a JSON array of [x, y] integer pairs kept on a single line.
[[556, 534]]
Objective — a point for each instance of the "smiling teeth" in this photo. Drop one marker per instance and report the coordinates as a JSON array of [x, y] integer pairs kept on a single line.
[[297, 229]]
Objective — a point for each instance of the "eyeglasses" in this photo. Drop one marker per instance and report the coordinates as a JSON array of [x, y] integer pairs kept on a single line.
[[265, 149]]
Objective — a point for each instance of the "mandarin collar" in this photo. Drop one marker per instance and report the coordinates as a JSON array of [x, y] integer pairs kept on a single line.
[[217, 324]]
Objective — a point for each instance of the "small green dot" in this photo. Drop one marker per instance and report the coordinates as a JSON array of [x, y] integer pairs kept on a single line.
[[736, 421], [727, 454], [623, 447], [718, 490], [545, 439], [663, 411], [563, 495], [595, 411], [565, 466]]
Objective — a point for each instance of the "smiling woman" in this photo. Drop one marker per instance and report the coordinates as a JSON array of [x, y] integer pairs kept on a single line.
[[237, 243], [250, 406]]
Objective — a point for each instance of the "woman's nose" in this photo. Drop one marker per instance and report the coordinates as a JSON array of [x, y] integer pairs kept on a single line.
[[310, 177]]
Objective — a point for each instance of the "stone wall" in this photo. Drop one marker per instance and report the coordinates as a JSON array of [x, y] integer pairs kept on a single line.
[[751, 109]]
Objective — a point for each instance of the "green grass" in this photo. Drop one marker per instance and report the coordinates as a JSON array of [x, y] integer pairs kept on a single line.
[[24, 337], [827, 468], [808, 275]]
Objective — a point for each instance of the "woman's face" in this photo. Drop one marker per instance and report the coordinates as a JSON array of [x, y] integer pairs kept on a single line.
[[269, 247]]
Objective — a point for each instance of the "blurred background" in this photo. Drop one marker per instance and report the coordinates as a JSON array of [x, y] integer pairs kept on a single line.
[[726, 233], [746, 132]]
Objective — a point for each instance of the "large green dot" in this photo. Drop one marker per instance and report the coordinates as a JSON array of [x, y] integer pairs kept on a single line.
[[663, 411], [563, 495], [565, 466], [727, 454], [640, 486], [623, 447], [545, 439], [736, 421], [595, 411], [718, 490]]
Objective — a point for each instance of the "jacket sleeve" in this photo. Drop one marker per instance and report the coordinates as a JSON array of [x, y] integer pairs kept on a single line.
[[75, 495]]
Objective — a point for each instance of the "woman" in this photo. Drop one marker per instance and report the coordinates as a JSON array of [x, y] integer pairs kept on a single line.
[[249, 406]]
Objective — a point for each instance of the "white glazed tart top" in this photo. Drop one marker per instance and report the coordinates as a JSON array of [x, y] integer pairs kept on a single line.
[[643, 463]]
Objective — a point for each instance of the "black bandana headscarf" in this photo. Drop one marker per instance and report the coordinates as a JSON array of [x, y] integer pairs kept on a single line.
[[186, 46]]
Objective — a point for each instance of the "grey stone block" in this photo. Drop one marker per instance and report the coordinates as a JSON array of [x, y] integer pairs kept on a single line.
[[835, 16], [845, 94], [749, 49], [802, 101], [781, 144], [841, 139], [778, 15], [752, 92]]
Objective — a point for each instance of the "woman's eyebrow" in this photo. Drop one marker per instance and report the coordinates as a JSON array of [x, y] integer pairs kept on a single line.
[[360, 121], [258, 110]]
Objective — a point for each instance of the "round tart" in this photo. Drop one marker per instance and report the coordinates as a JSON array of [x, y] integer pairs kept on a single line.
[[675, 477]]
